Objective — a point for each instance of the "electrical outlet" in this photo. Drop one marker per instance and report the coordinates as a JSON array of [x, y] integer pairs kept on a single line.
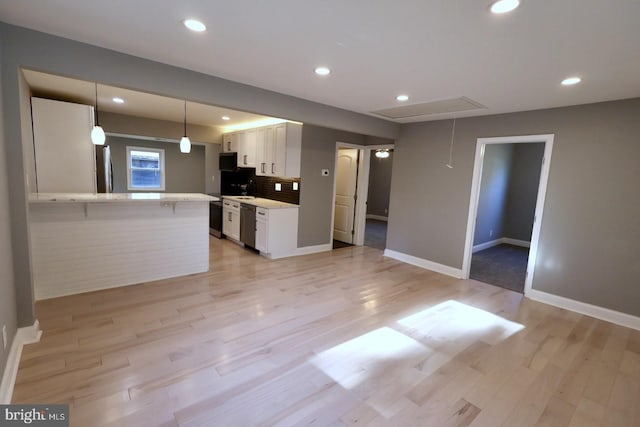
[[490, 233], [278, 186], [295, 186], [4, 336]]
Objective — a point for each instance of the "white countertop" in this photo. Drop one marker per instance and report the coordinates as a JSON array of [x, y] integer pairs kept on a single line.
[[118, 197], [260, 202]]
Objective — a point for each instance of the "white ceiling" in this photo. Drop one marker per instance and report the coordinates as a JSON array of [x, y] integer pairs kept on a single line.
[[137, 103], [428, 49]]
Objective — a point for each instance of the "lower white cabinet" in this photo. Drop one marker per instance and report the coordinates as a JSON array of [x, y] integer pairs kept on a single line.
[[277, 231], [231, 219]]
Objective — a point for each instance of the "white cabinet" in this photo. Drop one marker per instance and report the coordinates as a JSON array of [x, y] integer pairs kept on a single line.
[[230, 142], [278, 150], [231, 219], [277, 231], [247, 149], [64, 155], [273, 150], [262, 229]]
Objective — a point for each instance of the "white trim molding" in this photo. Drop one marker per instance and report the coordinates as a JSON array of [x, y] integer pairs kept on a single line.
[[491, 243], [425, 263], [27, 335], [378, 217], [601, 313], [307, 250]]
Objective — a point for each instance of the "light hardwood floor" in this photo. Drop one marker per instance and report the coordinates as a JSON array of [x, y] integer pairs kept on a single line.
[[341, 338]]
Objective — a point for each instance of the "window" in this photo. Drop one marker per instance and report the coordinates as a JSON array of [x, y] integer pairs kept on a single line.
[[145, 168]]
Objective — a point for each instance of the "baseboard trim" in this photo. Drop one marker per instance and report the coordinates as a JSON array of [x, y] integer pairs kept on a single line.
[[378, 217], [500, 241], [486, 245], [425, 263], [516, 242], [27, 335], [307, 250], [601, 313]]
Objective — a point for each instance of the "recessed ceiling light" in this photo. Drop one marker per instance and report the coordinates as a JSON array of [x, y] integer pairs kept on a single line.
[[226, 118], [504, 6], [570, 81], [118, 100], [194, 25], [402, 98], [322, 71]]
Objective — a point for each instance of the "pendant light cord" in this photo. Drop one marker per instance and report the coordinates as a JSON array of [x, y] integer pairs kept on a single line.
[[97, 121], [185, 117], [453, 133]]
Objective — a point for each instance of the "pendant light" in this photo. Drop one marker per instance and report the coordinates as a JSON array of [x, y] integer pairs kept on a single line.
[[453, 133], [185, 143], [97, 133]]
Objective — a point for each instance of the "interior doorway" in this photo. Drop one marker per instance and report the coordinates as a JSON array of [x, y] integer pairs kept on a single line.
[[378, 194], [506, 207]]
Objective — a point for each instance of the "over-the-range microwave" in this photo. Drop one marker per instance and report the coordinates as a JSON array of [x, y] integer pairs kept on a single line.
[[228, 161]]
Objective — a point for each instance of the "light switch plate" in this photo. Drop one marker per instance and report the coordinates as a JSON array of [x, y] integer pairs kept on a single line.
[[295, 186], [278, 186], [4, 336]]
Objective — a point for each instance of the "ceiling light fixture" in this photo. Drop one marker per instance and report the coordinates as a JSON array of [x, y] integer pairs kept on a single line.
[[97, 133], [402, 98], [226, 118], [194, 25], [118, 100], [322, 71], [504, 6], [382, 153], [185, 143], [570, 81]]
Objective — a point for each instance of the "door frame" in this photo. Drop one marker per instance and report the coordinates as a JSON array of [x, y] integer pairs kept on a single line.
[[547, 139]]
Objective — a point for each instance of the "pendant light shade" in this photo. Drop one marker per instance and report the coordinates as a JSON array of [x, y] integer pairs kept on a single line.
[[185, 143], [97, 133]]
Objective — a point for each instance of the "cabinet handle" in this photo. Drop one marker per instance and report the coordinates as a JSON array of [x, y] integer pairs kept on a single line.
[[245, 159], [229, 216], [228, 145], [272, 165], [262, 167], [261, 213]]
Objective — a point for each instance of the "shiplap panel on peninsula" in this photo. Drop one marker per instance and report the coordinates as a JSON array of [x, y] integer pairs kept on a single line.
[[115, 244]]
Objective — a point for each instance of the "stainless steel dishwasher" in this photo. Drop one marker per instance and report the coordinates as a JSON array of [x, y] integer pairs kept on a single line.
[[248, 225]]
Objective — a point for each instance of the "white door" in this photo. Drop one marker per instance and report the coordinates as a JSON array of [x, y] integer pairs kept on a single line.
[[346, 178]]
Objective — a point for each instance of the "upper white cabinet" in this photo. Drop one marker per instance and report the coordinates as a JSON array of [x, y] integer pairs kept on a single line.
[[273, 150], [278, 150], [230, 142], [64, 155]]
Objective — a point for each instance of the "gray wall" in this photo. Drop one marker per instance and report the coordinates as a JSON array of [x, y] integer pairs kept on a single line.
[[379, 185], [184, 173], [589, 237], [52, 54], [316, 191], [212, 168], [7, 295], [494, 188], [523, 190], [143, 126]]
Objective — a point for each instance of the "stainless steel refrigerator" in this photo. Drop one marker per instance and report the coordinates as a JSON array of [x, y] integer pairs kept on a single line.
[[104, 169]]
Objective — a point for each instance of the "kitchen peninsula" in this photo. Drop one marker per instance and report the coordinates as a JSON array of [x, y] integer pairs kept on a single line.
[[86, 242]]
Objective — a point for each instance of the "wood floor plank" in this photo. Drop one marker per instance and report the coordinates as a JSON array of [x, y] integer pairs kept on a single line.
[[347, 337]]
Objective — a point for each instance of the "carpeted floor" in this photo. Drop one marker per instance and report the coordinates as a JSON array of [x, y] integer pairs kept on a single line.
[[375, 234], [502, 265]]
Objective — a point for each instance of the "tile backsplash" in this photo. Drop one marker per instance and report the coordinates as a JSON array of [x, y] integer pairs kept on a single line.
[[266, 187]]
